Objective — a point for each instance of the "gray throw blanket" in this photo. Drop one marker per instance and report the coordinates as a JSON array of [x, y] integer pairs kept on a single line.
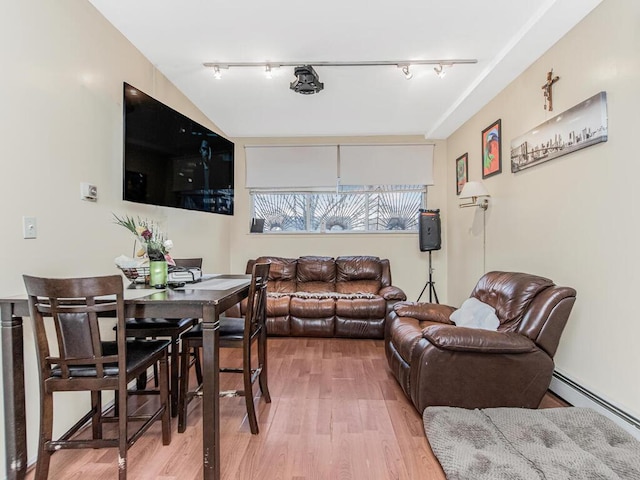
[[521, 444]]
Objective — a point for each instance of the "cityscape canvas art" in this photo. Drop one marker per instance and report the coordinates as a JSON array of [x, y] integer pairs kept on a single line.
[[581, 126]]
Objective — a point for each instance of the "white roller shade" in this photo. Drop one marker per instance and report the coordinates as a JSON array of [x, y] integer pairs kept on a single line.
[[291, 166], [386, 164]]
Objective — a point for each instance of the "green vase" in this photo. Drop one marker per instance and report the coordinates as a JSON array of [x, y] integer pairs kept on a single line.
[[158, 273]]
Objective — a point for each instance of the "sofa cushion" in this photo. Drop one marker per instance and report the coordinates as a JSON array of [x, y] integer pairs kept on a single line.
[[358, 268], [282, 274], [277, 305], [358, 286], [316, 269], [510, 293], [361, 307], [280, 268], [316, 287], [312, 307], [313, 327]]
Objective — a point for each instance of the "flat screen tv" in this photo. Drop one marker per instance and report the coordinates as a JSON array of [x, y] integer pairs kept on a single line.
[[172, 161]]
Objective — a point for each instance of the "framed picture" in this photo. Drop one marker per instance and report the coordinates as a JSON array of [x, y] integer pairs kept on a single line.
[[462, 172], [579, 127], [492, 149]]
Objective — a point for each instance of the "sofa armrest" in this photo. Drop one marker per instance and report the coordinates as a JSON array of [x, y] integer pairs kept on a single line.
[[463, 339], [432, 312], [392, 293]]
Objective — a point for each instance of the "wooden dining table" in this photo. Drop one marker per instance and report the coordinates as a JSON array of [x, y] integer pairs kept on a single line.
[[207, 300]]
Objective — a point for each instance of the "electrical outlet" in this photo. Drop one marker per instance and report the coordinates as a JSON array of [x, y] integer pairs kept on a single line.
[[29, 227]]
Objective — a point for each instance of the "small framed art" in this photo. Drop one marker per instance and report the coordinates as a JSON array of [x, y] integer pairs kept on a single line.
[[462, 172], [492, 149]]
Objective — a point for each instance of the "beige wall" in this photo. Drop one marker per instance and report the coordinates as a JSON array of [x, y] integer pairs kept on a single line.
[[409, 266], [575, 218], [61, 123]]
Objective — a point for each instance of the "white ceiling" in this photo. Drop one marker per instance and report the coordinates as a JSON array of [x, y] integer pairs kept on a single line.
[[505, 36]]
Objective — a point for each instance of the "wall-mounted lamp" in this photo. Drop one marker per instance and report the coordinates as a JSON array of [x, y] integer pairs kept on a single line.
[[478, 194]]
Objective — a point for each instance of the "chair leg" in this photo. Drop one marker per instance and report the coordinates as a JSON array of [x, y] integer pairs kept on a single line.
[[173, 383], [198, 365], [248, 390], [46, 432], [96, 419], [123, 433], [184, 387], [141, 381], [164, 395], [262, 364]]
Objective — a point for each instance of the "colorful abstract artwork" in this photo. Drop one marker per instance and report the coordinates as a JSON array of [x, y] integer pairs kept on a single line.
[[462, 172], [492, 149]]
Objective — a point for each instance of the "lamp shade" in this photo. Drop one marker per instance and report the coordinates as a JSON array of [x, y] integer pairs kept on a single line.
[[474, 189]]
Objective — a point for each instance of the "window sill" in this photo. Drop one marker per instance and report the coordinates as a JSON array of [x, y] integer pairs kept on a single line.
[[349, 232]]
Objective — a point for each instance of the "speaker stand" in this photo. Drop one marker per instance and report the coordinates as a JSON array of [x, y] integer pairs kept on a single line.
[[431, 284]]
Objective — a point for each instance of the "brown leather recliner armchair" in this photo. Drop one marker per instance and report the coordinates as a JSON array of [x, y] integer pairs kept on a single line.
[[439, 363]]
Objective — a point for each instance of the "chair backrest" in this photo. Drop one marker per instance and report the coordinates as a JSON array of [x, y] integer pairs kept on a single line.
[[75, 307], [527, 304], [255, 316], [188, 262]]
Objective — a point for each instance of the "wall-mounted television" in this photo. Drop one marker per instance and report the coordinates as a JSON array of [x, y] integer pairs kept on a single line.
[[173, 161]]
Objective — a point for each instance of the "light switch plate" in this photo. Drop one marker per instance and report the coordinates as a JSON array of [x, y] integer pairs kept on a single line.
[[29, 227]]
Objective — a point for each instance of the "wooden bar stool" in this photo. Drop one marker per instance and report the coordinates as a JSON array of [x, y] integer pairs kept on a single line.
[[234, 333], [85, 362]]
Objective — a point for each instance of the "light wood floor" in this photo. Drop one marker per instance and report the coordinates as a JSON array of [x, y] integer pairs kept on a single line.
[[336, 413]]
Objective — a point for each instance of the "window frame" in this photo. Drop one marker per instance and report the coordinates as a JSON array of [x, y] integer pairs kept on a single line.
[[303, 199]]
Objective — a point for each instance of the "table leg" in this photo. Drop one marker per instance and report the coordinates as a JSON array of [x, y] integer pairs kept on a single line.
[[210, 394], [15, 431]]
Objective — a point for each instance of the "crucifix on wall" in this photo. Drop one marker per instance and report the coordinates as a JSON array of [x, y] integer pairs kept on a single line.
[[548, 93]]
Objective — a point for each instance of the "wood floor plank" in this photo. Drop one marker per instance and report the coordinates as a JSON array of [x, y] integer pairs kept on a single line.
[[337, 413]]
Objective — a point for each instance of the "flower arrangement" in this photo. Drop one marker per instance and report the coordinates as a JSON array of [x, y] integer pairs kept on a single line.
[[154, 245]]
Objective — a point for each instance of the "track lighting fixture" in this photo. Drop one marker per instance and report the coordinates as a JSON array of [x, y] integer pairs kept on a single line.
[[307, 81]]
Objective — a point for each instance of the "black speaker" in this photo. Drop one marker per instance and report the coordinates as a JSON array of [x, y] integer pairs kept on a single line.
[[429, 230]]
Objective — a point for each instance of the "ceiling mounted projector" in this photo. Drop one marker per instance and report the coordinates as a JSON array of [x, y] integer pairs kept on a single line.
[[307, 81]]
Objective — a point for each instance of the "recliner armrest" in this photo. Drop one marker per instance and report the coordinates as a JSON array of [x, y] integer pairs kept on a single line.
[[392, 293], [432, 312], [463, 339]]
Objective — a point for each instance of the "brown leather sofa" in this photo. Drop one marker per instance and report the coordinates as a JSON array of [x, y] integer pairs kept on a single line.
[[326, 297], [439, 363]]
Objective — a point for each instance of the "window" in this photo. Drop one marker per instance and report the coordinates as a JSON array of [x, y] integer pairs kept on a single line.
[[354, 208]]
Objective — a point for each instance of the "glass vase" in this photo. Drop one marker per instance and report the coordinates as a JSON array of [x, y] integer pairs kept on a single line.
[[158, 273]]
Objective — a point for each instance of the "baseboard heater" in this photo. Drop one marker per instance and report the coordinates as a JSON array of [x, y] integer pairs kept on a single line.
[[579, 396]]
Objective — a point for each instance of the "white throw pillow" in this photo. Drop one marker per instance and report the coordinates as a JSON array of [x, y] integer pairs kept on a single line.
[[475, 314]]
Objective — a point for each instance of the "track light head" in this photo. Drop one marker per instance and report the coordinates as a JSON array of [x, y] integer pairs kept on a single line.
[[216, 73], [439, 69], [407, 73], [267, 71], [307, 81]]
